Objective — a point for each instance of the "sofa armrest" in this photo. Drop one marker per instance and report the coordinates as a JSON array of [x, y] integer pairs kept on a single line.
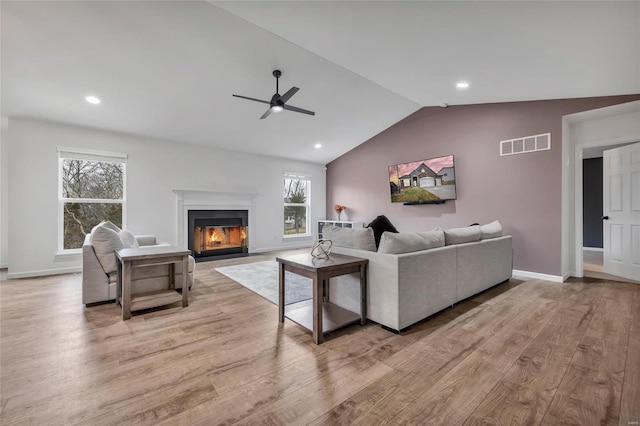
[[146, 240], [95, 282]]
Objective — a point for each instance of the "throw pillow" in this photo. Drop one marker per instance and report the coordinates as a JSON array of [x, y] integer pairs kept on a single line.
[[128, 239], [105, 242], [491, 230], [409, 242], [357, 238], [381, 225], [462, 235]]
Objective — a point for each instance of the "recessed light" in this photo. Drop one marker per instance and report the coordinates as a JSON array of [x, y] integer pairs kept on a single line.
[[318, 146], [462, 85], [92, 100]]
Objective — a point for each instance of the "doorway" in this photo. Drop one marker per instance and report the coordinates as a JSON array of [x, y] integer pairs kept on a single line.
[[592, 212]]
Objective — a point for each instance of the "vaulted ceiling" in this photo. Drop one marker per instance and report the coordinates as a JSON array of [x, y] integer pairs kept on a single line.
[[167, 69]]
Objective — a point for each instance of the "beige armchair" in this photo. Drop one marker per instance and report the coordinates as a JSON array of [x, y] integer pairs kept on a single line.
[[100, 276]]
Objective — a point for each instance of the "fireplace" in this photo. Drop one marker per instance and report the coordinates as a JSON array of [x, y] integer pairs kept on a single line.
[[218, 234]]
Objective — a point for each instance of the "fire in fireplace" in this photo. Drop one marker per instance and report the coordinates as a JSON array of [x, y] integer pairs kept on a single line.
[[219, 237], [216, 234]]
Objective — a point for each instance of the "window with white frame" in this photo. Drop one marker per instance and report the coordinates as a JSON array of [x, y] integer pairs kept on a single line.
[[91, 188], [297, 200]]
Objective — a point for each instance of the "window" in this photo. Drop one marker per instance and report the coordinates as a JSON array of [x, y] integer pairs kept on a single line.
[[296, 204], [91, 189]]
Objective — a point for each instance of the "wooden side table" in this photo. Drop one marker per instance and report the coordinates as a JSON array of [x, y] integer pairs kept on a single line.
[[318, 315], [129, 258]]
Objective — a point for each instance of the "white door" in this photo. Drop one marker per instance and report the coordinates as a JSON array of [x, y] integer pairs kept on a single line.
[[621, 211]]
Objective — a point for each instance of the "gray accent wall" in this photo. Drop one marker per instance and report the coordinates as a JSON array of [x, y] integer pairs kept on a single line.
[[592, 202], [522, 191]]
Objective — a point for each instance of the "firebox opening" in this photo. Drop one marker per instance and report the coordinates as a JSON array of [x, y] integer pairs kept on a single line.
[[218, 234], [219, 237]]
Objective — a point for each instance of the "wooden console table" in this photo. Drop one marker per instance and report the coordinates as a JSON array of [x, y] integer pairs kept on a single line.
[[129, 258], [318, 315]]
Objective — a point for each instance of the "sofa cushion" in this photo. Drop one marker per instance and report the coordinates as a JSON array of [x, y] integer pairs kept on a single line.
[[128, 239], [357, 238], [380, 225], [433, 238], [491, 230], [408, 242], [462, 235], [105, 242]]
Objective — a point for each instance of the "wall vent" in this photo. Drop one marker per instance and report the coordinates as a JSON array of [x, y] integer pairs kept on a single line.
[[526, 144]]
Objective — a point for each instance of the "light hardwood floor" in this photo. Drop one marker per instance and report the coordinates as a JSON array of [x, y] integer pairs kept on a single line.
[[530, 352]]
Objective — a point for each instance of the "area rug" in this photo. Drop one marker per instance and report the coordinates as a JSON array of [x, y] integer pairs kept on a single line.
[[262, 278]]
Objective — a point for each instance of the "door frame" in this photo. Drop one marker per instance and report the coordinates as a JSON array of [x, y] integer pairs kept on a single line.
[[579, 202], [613, 125], [579, 198]]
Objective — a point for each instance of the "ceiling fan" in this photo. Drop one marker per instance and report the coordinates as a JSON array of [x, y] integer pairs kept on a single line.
[[279, 102]]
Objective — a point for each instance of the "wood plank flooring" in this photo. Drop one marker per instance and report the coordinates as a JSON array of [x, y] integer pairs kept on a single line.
[[522, 353]]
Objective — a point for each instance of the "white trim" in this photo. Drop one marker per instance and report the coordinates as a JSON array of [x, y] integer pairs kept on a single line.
[[43, 272], [297, 175], [593, 249], [66, 255], [4, 265], [538, 276], [71, 150], [286, 238], [578, 187], [571, 222], [88, 155], [307, 205], [206, 199]]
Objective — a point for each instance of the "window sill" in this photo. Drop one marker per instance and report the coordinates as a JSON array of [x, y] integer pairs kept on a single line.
[[296, 237], [68, 255]]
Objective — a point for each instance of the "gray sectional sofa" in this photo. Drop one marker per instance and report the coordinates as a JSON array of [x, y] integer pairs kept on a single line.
[[414, 275]]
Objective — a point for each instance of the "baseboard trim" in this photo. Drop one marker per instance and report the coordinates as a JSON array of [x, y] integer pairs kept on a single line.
[[44, 272], [538, 276], [592, 249]]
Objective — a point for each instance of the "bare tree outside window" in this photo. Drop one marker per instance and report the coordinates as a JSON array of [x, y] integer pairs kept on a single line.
[[296, 192], [92, 191]]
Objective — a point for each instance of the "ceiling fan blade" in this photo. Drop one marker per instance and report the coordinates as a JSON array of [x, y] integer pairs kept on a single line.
[[289, 94], [253, 99], [296, 109], [267, 113]]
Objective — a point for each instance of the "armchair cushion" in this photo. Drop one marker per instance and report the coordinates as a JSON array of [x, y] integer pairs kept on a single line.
[[146, 240], [105, 242], [128, 240]]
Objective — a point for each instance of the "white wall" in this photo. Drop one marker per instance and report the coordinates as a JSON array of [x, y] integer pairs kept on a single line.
[[604, 126], [154, 169], [4, 193]]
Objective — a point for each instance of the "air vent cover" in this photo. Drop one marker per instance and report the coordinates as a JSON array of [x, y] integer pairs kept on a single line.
[[526, 144]]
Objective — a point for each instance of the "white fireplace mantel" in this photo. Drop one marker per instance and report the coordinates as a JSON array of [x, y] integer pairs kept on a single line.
[[207, 199]]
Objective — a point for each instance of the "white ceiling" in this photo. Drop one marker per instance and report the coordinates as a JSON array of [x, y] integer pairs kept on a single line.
[[167, 69]]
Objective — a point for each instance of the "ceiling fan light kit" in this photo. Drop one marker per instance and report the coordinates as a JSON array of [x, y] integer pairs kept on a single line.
[[279, 102]]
